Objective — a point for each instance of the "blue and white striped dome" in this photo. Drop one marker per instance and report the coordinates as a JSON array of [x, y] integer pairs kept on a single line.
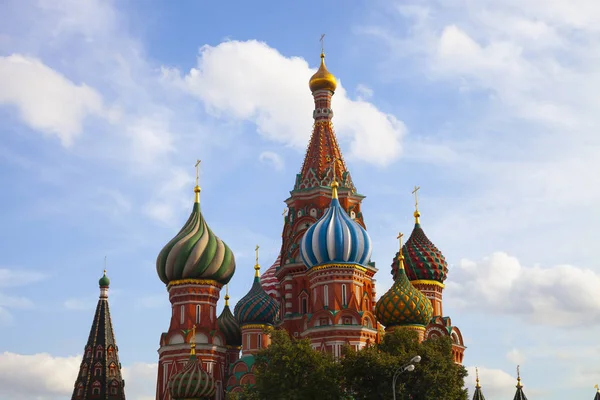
[[335, 239]]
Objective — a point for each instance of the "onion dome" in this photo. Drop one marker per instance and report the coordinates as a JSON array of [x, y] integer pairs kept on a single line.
[[423, 260], [104, 281], [196, 252], [192, 382], [403, 304], [229, 326], [322, 79], [256, 307], [269, 281], [335, 238]]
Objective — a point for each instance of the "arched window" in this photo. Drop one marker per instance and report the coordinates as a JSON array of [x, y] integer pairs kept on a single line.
[[112, 370], [248, 340], [198, 313], [111, 351], [84, 370], [304, 305], [99, 351], [182, 314], [98, 369], [325, 296], [344, 298], [212, 313], [80, 389]]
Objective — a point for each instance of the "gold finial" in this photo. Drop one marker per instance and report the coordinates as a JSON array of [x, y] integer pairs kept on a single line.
[[227, 294], [519, 376], [193, 341], [400, 255], [257, 266], [334, 183], [322, 79], [197, 187], [477, 385], [597, 388], [417, 214]]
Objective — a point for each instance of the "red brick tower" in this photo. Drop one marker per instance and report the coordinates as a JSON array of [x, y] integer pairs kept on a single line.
[[194, 265]]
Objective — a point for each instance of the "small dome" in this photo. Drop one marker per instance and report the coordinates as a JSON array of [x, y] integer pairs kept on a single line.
[[403, 304], [335, 239], [195, 253], [192, 382], [423, 261], [256, 307], [322, 79], [229, 326], [104, 281]]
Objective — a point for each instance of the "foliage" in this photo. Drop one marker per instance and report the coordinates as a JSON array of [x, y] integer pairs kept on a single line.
[[369, 372], [290, 369]]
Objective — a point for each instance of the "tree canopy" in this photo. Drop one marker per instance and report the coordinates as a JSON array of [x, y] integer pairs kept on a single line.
[[290, 369]]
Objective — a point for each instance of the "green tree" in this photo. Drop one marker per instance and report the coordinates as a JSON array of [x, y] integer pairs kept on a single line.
[[290, 369], [368, 373]]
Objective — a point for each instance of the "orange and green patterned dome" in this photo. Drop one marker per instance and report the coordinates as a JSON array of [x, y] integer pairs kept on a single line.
[[422, 260], [192, 382], [196, 252], [403, 304]]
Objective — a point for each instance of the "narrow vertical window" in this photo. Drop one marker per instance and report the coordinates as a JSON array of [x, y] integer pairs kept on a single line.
[[326, 296], [304, 305], [212, 312], [259, 340], [344, 300], [182, 314], [198, 313], [248, 341]]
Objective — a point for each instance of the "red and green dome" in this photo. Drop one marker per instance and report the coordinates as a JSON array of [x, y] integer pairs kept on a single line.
[[229, 326], [422, 260], [195, 253], [192, 382], [256, 307], [403, 304]]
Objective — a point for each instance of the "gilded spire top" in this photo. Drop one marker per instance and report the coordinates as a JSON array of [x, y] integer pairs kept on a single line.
[[519, 377], [227, 294], [477, 385], [197, 187], [400, 254], [257, 265], [597, 388], [417, 214], [322, 79], [193, 341]]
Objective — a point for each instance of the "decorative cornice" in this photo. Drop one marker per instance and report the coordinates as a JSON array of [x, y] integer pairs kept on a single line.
[[180, 282], [427, 282], [337, 265], [255, 326]]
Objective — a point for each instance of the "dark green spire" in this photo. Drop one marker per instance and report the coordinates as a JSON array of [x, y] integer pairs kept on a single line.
[[519, 394], [99, 374], [478, 395]]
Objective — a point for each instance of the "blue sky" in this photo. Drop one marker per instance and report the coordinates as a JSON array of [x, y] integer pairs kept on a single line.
[[490, 108]]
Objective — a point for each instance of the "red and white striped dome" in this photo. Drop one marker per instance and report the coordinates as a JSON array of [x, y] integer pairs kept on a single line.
[[269, 281]]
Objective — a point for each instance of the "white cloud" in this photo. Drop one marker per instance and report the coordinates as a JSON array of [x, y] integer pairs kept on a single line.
[[47, 101], [272, 91], [55, 376], [272, 159], [19, 277], [515, 356], [495, 383], [562, 295], [79, 304], [364, 92]]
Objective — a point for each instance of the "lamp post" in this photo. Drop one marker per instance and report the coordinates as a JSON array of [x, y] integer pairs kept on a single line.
[[409, 366]]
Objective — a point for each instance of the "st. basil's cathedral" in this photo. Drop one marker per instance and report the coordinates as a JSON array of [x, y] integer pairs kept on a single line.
[[321, 287]]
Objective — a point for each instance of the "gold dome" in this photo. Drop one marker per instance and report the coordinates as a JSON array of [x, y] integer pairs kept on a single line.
[[322, 79]]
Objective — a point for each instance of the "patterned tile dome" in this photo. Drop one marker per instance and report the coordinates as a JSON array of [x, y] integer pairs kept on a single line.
[[423, 260], [403, 304], [229, 326], [256, 307], [335, 238], [192, 382], [196, 252], [269, 281]]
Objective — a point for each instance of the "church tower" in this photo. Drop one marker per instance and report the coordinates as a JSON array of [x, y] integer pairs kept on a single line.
[[301, 295], [194, 266], [99, 374]]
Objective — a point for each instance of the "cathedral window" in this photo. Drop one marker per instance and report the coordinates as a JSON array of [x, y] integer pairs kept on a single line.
[[325, 296], [344, 297], [111, 351], [248, 341], [259, 340], [112, 371], [182, 314], [304, 305], [97, 371], [113, 390], [84, 370], [96, 388], [99, 351], [197, 314], [80, 389], [88, 353], [212, 313]]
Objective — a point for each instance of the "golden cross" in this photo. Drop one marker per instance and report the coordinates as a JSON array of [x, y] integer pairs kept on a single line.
[[415, 192], [399, 237], [104, 265], [256, 249], [333, 161], [285, 211], [197, 171], [322, 40], [518, 372]]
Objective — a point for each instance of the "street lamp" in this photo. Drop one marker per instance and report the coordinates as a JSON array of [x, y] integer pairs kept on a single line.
[[409, 366]]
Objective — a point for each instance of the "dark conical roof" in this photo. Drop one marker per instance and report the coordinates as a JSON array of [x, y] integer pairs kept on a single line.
[[478, 395], [519, 394], [100, 370]]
